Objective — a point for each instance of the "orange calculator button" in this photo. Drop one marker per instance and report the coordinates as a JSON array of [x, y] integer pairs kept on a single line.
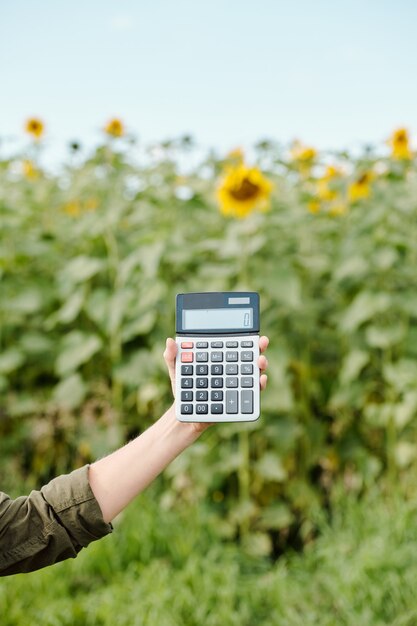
[[187, 357], [187, 344]]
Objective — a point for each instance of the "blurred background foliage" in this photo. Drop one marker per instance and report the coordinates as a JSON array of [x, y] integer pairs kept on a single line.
[[91, 258]]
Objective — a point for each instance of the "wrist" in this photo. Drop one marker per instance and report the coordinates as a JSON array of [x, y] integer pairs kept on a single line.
[[183, 433]]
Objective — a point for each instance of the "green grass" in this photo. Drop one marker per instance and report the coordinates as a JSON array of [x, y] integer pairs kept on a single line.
[[168, 568]]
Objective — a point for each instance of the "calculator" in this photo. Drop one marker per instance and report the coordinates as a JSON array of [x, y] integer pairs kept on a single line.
[[217, 373]]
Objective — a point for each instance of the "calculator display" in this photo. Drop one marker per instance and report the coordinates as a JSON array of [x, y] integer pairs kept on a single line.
[[214, 319]]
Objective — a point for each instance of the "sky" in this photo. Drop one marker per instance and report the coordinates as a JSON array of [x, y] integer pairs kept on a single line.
[[229, 72]]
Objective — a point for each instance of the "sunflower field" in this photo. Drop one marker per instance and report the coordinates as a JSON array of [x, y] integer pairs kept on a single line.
[[92, 255]]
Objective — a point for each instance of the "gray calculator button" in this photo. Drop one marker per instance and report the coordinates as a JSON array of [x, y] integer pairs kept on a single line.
[[216, 344], [216, 370], [216, 357], [246, 368], [201, 357], [200, 396], [246, 400], [187, 370], [231, 401], [201, 344], [216, 396], [246, 355], [201, 370], [186, 409], [231, 356], [186, 383], [217, 382], [231, 368], [186, 396], [246, 381], [216, 408], [231, 344], [231, 382], [201, 382], [201, 408], [246, 344]]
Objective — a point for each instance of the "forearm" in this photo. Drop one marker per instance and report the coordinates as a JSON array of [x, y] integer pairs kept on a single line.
[[116, 479]]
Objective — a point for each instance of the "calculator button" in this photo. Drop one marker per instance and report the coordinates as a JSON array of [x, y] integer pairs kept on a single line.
[[187, 370], [216, 344], [217, 382], [247, 400], [216, 409], [246, 368], [187, 357], [216, 357], [201, 344], [231, 344], [186, 383], [201, 395], [216, 370], [216, 396], [231, 368], [231, 401], [246, 356], [187, 344], [201, 408], [246, 344], [186, 409], [246, 381], [231, 356], [201, 370], [201, 382], [231, 382], [186, 396], [202, 357]]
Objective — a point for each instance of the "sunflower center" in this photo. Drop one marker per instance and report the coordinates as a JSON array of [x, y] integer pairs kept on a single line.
[[245, 191], [363, 180]]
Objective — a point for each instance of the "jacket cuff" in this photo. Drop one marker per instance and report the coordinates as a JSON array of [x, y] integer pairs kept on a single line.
[[76, 507]]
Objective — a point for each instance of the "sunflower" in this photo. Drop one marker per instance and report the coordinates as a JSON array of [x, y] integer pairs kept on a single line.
[[303, 154], [115, 128], [29, 170], [243, 190], [72, 208], [399, 142], [325, 190], [361, 187], [35, 127]]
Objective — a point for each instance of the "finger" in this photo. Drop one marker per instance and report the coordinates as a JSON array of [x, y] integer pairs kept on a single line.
[[169, 356], [262, 363], [263, 381], [263, 343]]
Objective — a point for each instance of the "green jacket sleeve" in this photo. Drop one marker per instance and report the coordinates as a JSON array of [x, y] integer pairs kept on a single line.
[[49, 525]]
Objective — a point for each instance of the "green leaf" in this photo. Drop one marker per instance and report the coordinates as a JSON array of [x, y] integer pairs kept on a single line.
[[353, 364], [401, 375], [364, 307], [82, 268], [71, 308], [405, 453], [276, 517], [406, 410], [70, 392], [270, 467], [10, 360], [27, 302], [353, 267], [78, 348], [384, 337]]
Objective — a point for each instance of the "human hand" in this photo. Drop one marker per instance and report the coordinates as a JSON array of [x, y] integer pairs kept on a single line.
[[171, 352]]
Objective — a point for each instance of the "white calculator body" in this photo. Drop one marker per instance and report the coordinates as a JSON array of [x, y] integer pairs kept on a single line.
[[217, 374]]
